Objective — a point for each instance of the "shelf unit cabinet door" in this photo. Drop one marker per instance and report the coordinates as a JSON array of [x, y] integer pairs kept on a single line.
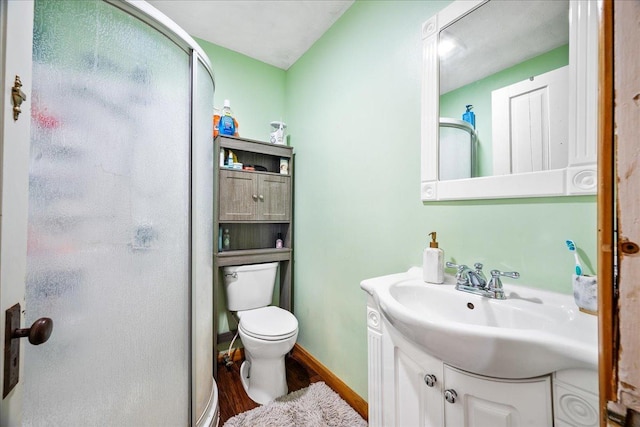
[[237, 191], [274, 197], [497, 403]]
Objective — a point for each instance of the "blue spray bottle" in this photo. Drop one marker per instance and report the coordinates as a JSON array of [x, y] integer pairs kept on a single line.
[[469, 116]]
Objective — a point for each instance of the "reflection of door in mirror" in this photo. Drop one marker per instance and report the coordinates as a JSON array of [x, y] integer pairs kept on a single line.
[[530, 124]]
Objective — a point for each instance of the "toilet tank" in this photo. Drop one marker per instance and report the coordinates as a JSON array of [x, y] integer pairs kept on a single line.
[[249, 286]]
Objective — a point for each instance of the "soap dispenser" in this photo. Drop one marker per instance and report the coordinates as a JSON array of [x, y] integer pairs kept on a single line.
[[433, 262]]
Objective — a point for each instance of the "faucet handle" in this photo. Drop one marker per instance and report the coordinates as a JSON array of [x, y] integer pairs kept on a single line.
[[462, 276], [497, 273], [495, 284], [461, 267]]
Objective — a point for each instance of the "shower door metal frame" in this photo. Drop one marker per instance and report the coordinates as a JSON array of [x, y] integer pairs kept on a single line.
[[16, 30], [473, 135]]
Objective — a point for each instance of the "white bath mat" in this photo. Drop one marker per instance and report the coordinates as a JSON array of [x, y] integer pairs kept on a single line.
[[314, 406]]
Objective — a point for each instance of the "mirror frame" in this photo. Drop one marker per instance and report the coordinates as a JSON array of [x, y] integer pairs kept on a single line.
[[579, 177]]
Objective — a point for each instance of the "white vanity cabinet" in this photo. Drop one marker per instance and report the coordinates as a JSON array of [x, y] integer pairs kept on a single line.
[[412, 388], [408, 387]]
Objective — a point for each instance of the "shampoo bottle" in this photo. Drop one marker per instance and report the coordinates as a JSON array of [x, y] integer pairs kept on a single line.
[[433, 262]]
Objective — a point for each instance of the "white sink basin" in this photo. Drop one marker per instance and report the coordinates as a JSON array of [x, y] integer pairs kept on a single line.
[[533, 332]]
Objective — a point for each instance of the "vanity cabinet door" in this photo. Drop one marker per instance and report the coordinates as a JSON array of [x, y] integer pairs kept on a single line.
[[412, 384], [418, 390], [482, 401], [250, 196]]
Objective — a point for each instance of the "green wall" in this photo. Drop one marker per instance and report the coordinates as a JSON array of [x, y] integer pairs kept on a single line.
[[256, 90], [352, 103], [257, 95]]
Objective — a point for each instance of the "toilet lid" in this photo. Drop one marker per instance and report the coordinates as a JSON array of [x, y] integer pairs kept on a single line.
[[268, 323]]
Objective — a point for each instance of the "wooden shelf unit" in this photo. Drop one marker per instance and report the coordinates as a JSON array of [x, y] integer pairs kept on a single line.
[[255, 206]]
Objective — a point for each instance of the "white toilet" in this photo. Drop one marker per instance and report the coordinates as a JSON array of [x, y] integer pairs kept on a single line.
[[267, 332]]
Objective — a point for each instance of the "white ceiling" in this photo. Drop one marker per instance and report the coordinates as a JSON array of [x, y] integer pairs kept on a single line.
[[500, 34], [276, 32]]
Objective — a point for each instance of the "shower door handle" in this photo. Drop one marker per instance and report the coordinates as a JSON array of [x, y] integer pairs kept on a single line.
[[38, 333]]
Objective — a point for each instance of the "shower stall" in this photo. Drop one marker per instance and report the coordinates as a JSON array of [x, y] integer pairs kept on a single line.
[[457, 149], [119, 238]]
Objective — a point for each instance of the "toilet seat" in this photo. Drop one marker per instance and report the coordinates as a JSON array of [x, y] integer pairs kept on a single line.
[[268, 323]]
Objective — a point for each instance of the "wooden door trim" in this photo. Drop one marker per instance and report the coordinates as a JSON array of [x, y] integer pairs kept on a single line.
[[607, 318]]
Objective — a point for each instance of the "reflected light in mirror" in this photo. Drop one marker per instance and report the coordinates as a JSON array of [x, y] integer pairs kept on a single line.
[[445, 47]]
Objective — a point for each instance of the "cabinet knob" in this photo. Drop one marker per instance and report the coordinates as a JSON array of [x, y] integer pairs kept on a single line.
[[261, 197], [430, 380], [255, 197], [450, 395]]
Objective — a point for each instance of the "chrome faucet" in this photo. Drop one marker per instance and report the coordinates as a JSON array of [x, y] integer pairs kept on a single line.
[[477, 279], [475, 282]]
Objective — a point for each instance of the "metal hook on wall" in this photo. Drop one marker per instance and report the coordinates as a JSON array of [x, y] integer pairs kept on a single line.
[[18, 97]]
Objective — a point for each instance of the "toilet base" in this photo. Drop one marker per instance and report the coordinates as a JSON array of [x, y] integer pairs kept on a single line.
[[263, 380]]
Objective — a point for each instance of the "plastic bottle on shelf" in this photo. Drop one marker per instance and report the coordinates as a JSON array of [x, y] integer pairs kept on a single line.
[[279, 244], [216, 121], [226, 240], [228, 124], [469, 116]]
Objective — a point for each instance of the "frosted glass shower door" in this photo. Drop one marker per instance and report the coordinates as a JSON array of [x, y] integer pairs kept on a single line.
[[109, 214]]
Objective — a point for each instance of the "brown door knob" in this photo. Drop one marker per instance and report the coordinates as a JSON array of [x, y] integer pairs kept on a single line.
[[38, 333]]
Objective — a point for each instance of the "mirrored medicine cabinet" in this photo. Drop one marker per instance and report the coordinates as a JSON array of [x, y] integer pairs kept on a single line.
[[530, 70]]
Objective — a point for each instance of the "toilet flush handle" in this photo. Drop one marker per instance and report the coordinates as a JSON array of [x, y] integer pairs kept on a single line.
[[234, 275]]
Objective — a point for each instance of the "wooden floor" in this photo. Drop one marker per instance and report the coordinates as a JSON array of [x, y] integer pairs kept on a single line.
[[232, 397]]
